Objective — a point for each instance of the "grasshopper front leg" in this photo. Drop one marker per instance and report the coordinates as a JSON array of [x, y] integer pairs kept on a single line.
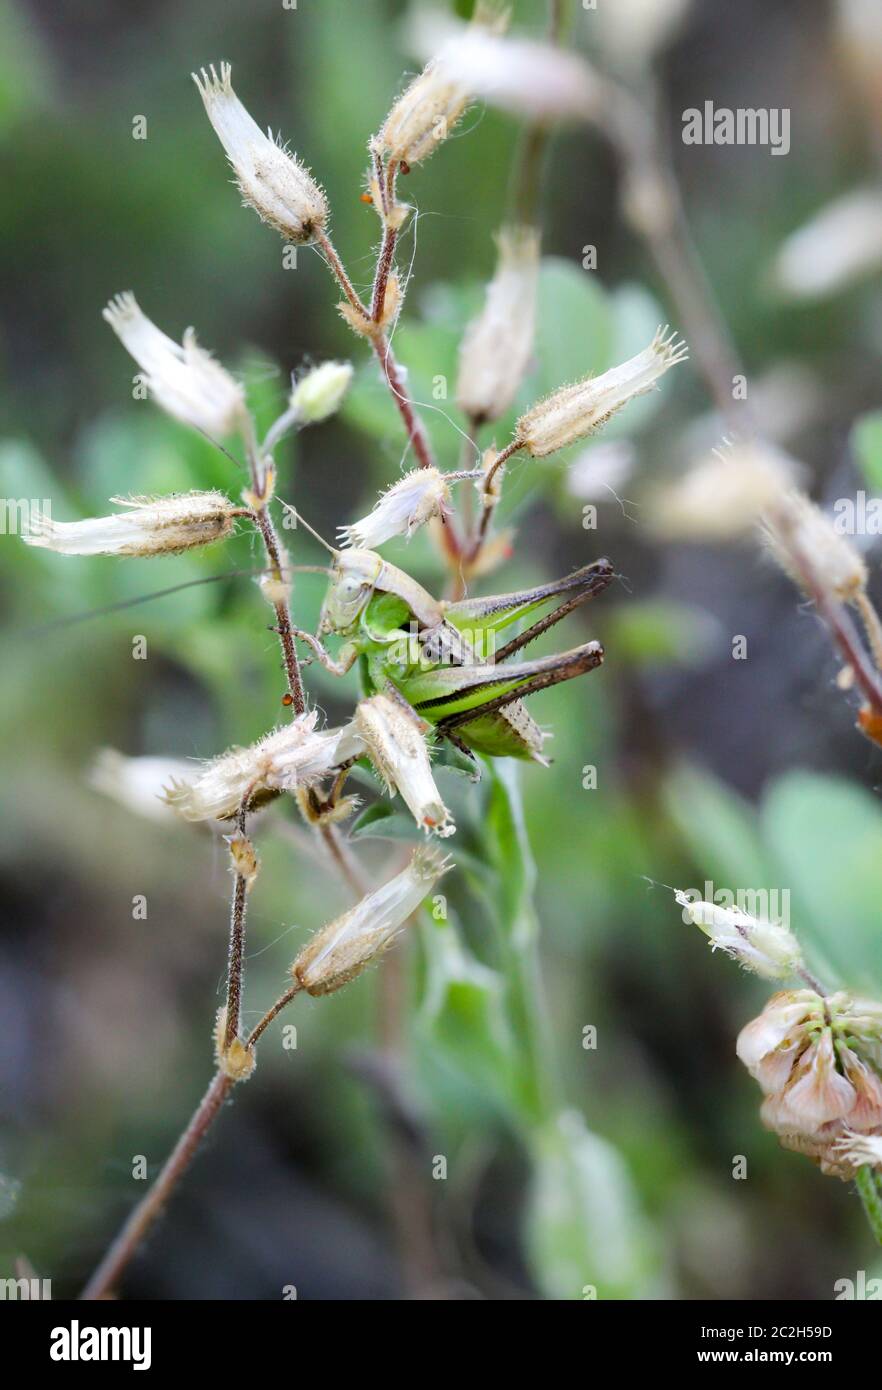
[[348, 653]]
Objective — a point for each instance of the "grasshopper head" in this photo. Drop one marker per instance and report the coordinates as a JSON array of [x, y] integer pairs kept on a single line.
[[353, 580]]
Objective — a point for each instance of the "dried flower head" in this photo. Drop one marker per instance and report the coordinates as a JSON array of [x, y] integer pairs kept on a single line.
[[807, 546], [573, 412], [296, 755], [723, 496], [768, 949], [497, 346], [271, 180], [151, 526], [182, 378], [818, 1061], [342, 949], [398, 751], [319, 392], [401, 510], [536, 81]]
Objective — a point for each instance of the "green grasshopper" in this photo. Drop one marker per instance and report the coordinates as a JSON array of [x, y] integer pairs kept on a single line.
[[440, 659]]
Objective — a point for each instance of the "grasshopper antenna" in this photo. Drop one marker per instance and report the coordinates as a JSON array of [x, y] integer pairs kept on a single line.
[[301, 521]]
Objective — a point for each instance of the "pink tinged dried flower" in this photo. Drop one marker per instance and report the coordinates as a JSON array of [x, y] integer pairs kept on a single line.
[[401, 510], [867, 1111], [400, 755], [768, 949], [535, 81], [770, 1044], [297, 755], [573, 412], [498, 344], [342, 949], [271, 180], [806, 544], [816, 1094], [150, 526], [183, 378]]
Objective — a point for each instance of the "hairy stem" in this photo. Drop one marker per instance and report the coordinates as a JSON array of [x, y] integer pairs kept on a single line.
[[236, 958], [867, 1184], [125, 1246]]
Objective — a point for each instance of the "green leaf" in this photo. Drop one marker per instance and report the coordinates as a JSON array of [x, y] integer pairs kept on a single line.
[[660, 632], [866, 441], [585, 1234], [719, 828], [826, 835], [383, 822]]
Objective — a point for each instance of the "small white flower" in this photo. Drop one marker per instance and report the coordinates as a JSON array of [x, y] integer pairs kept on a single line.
[[137, 783], [573, 412], [319, 393], [297, 755], [401, 510], [151, 526], [343, 948], [633, 31], [271, 180], [182, 378], [400, 756], [840, 245], [497, 346], [768, 949], [533, 80], [807, 546]]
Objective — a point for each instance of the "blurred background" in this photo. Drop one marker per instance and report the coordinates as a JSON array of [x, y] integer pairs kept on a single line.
[[326, 1173]]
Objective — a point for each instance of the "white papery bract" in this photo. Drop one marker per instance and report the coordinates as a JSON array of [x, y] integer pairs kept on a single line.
[[342, 949], [399, 753], [807, 546], [573, 412], [497, 346], [271, 179], [297, 755], [182, 377], [401, 510], [150, 526], [767, 948]]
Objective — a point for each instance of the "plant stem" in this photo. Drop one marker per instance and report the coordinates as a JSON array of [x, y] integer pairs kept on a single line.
[[236, 958], [867, 1184], [107, 1275], [135, 1229], [282, 612]]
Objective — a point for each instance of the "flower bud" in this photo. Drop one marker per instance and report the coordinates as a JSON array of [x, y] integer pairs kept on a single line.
[[244, 860], [839, 246], [768, 949], [342, 949], [294, 756], [400, 756], [319, 393], [807, 546], [401, 510], [183, 379], [151, 526], [573, 412], [723, 496], [497, 346], [281, 190]]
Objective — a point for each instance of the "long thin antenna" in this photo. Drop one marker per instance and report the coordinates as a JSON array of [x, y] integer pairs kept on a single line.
[[301, 521], [75, 618]]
